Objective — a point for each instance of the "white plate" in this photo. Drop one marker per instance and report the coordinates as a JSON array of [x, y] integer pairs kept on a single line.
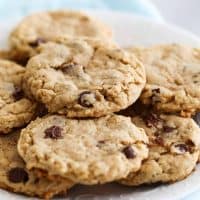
[[129, 30]]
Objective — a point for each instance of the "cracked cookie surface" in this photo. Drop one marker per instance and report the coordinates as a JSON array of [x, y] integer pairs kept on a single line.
[[16, 178], [45, 26], [15, 109], [173, 78], [84, 78], [86, 151], [173, 148]]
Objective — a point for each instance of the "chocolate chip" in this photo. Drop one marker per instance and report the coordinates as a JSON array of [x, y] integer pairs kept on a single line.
[[37, 42], [182, 148], [151, 120], [86, 99], [101, 141], [18, 175], [54, 132], [159, 141], [18, 93], [129, 152], [168, 129], [197, 118]]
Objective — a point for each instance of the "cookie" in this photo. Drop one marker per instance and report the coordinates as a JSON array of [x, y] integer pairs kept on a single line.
[[84, 78], [173, 148], [173, 78], [15, 109], [16, 178], [14, 56], [45, 26], [87, 151], [4, 54]]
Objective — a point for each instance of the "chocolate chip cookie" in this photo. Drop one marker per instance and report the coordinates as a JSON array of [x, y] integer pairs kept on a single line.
[[45, 26], [16, 178], [84, 78], [173, 148], [13, 56], [86, 151], [4, 54], [173, 78], [15, 109]]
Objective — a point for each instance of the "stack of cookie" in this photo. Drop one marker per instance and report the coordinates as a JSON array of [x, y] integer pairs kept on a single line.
[[68, 114]]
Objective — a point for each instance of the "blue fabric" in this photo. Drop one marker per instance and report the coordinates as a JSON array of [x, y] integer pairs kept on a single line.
[[17, 8]]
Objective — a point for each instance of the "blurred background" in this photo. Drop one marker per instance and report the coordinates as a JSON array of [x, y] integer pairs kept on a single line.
[[184, 13]]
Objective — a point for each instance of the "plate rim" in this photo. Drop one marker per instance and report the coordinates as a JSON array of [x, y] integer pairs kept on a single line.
[[168, 25]]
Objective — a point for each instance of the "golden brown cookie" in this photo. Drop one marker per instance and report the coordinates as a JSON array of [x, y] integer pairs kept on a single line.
[[173, 147], [84, 78], [15, 109], [86, 151], [16, 178], [46, 26], [173, 78]]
